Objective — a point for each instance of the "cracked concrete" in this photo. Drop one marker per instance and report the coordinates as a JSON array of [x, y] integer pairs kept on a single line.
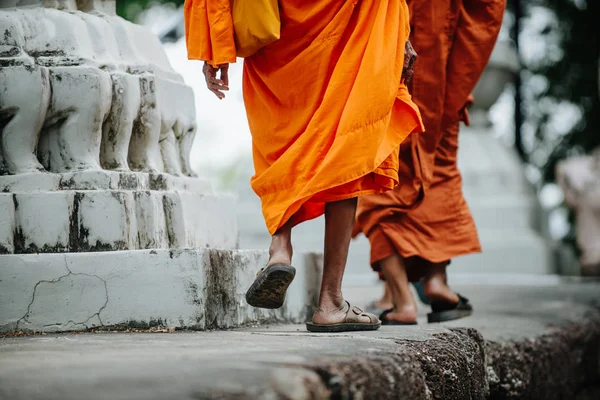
[[183, 289], [46, 315]]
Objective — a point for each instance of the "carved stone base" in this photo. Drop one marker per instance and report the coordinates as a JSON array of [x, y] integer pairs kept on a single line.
[[108, 211], [101, 179], [187, 289]]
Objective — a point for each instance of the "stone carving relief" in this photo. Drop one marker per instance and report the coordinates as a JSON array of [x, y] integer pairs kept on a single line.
[[85, 90], [95, 126]]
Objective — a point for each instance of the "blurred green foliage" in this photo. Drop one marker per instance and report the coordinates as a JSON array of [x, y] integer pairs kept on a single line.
[[572, 78], [130, 9]]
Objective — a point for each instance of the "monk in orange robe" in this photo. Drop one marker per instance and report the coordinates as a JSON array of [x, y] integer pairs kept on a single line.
[[415, 230], [328, 111]]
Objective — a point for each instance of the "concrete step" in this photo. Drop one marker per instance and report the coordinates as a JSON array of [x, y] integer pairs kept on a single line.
[[504, 212], [176, 289]]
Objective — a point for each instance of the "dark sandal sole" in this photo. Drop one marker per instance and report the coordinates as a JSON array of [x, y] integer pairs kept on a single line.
[[450, 312], [269, 287], [342, 327], [450, 315], [389, 322]]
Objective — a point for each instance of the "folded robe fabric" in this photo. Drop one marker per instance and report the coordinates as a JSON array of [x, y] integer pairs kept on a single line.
[[325, 103]]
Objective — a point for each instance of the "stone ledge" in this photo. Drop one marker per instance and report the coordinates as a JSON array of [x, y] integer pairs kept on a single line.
[[460, 364], [285, 363], [112, 220], [102, 180], [177, 289]]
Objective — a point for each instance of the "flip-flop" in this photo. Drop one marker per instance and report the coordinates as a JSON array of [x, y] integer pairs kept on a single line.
[[385, 321], [270, 285], [444, 311], [351, 322]]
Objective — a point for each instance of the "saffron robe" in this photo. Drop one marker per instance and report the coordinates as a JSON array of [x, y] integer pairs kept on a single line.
[[325, 103], [429, 219]]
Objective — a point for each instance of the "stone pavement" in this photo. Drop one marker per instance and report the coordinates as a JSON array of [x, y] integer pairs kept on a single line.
[[523, 342]]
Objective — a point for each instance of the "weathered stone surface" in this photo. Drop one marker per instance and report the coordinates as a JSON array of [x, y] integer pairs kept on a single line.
[[231, 273], [106, 221], [87, 103], [79, 291], [7, 223], [45, 221], [198, 220], [90, 180], [453, 364], [117, 219], [555, 365], [28, 182], [151, 220], [187, 289], [289, 363]]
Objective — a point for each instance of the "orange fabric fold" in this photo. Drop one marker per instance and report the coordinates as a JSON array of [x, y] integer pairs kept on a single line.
[[209, 31], [325, 103], [428, 217]]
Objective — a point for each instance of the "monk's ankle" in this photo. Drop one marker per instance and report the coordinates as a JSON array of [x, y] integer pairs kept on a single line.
[[437, 290], [331, 302], [404, 313], [281, 251]]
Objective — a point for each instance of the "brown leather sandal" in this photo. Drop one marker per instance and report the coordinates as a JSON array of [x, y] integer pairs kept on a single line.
[[352, 322], [270, 285]]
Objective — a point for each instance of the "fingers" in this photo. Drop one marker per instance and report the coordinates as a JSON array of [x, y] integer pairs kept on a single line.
[[220, 95], [225, 74], [216, 86], [215, 83]]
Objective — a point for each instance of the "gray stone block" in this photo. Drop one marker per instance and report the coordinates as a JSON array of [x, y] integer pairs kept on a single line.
[[106, 221], [198, 220], [44, 221], [37, 181], [7, 223], [151, 222]]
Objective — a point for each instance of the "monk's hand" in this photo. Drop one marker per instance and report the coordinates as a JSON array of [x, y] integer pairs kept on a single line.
[[217, 79], [463, 114], [410, 56]]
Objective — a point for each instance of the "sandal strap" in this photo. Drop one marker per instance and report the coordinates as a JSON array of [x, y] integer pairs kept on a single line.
[[354, 313]]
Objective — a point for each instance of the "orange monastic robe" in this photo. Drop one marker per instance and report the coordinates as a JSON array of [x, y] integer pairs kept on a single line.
[[429, 219], [325, 105]]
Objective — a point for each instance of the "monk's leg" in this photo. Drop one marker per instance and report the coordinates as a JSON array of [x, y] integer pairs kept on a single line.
[[386, 301], [436, 284], [404, 305], [281, 250], [339, 219]]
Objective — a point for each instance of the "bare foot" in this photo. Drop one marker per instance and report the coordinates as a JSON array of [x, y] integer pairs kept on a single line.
[[437, 290], [406, 314]]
